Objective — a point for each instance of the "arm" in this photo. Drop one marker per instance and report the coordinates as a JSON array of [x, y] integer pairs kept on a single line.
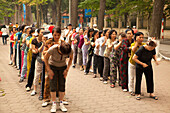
[[47, 66], [110, 45], [104, 42], [34, 50], [85, 41], [118, 45], [135, 58], [134, 48], [41, 48], [155, 58], [68, 66]]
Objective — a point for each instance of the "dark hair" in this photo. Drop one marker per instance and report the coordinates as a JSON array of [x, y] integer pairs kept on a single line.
[[90, 30], [22, 27], [94, 33], [104, 33], [3, 26], [51, 23], [110, 33], [84, 29], [123, 34], [57, 29], [49, 41], [129, 30], [39, 29], [69, 25], [32, 31], [138, 34], [46, 32], [151, 43], [65, 48], [100, 33]]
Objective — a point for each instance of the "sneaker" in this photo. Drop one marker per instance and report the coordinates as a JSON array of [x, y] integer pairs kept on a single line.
[[104, 82], [33, 93], [40, 97], [91, 70], [85, 73], [53, 108], [44, 104], [73, 65], [124, 90], [101, 78], [65, 102], [62, 107], [28, 89], [21, 80], [112, 86]]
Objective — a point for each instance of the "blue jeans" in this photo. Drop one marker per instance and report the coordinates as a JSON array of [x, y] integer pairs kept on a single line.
[[24, 67]]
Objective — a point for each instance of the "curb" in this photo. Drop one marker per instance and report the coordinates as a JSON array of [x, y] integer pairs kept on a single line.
[[164, 57]]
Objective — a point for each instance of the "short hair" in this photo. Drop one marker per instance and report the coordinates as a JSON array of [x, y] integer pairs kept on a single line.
[[94, 33], [129, 30], [65, 48], [100, 33], [69, 25], [138, 34], [32, 31], [39, 29], [49, 41], [123, 35], [110, 33], [57, 29], [104, 33], [152, 43], [22, 27], [90, 30], [3, 26]]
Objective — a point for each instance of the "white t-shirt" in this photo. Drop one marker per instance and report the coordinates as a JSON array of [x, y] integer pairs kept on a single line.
[[4, 31], [66, 32]]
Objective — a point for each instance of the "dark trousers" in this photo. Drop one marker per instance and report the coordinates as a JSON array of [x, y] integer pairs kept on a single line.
[[19, 58], [149, 79], [100, 65], [75, 51], [4, 39], [15, 57], [95, 63], [89, 63], [31, 73], [106, 69], [42, 81]]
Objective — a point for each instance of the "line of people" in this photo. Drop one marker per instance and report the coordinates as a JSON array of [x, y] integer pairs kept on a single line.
[[45, 57]]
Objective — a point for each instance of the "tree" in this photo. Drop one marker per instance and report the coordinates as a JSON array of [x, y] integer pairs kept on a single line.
[[59, 13], [101, 14], [156, 18], [74, 13]]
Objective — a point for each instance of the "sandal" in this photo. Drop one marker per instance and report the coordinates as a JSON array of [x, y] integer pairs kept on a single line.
[[154, 97], [132, 94], [112, 85], [94, 76], [138, 98]]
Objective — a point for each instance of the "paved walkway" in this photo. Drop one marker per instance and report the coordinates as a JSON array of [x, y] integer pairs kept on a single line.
[[84, 93]]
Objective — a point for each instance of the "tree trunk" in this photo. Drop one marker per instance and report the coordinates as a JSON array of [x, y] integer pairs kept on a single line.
[[101, 14], [29, 19], [156, 18], [74, 13], [54, 11], [59, 13], [70, 9]]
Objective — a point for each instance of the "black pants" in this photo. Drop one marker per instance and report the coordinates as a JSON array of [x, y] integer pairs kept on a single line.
[[100, 65], [42, 81], [19, 57], [89, 63], [75, 51], [31, 73], [149, 79], [15, 57], [95, 63], [106, 69], [4, 39]]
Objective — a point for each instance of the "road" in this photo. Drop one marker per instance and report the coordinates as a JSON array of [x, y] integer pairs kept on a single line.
[[84, 93]]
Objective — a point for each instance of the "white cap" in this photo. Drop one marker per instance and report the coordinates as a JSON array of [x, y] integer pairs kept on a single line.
[[26, 27], [94, 25], [134, 26], [36, 33], [77, 29]]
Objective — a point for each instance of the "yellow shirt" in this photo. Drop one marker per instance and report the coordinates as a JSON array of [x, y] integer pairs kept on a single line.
[[132, 53]]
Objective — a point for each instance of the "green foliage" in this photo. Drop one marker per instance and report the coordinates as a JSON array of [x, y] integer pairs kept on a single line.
[[167, 9]]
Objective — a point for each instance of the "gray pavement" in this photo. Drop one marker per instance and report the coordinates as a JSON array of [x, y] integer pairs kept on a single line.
[[84, 93]]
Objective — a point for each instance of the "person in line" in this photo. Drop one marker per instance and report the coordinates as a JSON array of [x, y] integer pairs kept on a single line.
[[5, 35], [68, 33], [29, 32], [90, 49], [34, 49], [96, 53], [105, 51], [125, 54], [143, 58], [55, 62], [131, 67], [114, 57], [80, 56]]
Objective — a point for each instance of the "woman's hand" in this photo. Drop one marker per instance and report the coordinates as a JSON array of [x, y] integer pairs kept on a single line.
[[157, 63], [65, 73], [144, 65], [50, 74]]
